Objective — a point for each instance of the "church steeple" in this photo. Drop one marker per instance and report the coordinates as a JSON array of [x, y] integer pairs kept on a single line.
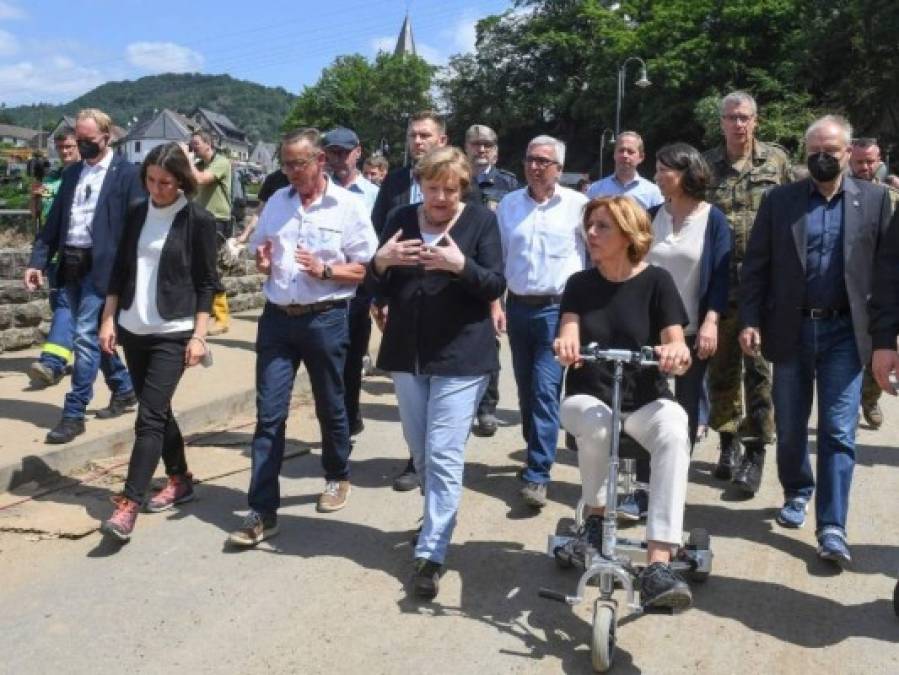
[[405, 43]]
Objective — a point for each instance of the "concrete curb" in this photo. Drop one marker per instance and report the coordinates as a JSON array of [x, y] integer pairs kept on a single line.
[[76, 454]]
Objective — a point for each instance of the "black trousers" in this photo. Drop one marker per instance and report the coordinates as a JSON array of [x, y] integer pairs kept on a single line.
[[156, 363], [359, 321], [490, 399], [688, 388]]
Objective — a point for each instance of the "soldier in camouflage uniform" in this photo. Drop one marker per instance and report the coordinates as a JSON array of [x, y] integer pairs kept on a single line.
[[494, 184], [743, 169], [865, 164]]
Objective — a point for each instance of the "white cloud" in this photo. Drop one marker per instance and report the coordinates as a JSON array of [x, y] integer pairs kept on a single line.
[[9, 43], [463, 35], [163, 57], [53, 79], [10, 11]]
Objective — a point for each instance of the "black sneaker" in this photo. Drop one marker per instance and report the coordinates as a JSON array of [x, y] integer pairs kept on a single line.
[[407, 480], [426, 581], [486, 426], [660, 586], [357, 427], [65, 431], [118, 405]]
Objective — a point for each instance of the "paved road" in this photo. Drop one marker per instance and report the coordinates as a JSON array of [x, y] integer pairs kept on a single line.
[[329, 594]]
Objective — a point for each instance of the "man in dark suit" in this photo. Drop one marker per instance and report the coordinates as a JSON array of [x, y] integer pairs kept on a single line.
[[82, 231], [806, 279]]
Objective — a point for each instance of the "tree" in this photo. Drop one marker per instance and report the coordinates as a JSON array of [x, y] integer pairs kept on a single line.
[[373, 99]]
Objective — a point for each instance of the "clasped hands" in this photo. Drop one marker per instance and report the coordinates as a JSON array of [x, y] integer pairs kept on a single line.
[[413, 253]]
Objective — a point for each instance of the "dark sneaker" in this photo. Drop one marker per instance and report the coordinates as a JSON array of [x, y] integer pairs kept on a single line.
[[748, 477], [660, 586], [178, 490], [408, 480], [729, 459], [65, 431], [590, 536], [534, 494], [121, 523], [118, 405], [634, 506], [833, 548], [334, 496], [873, 415], [357, 427], [426, 581], [42, 375], [792, 513], [486, 426], [255, 529]]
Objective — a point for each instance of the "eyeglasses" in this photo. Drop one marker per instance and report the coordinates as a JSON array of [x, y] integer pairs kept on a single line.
[[298, 164], [539, 162], [745, 119], [483, 144]]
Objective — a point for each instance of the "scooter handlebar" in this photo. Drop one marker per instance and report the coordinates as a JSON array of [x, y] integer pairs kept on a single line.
[[645, 356]]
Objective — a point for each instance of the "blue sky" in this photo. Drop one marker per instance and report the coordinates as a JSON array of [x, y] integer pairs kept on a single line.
[[56, 50]]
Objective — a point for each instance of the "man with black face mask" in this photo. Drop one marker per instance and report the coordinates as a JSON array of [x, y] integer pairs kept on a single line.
[[84, 226], [806, 279]]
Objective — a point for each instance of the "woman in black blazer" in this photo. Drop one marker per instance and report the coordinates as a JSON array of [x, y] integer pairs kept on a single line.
[[157, 306], [439, 268]]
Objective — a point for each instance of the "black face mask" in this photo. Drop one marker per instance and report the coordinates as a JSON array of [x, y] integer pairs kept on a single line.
[[823, 167], [88, 149]]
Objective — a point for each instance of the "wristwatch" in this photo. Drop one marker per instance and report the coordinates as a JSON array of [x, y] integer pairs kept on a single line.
[[327, 272]]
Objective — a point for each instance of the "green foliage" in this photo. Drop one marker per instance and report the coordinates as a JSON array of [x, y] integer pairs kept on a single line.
[[374, 99], [256, 109]]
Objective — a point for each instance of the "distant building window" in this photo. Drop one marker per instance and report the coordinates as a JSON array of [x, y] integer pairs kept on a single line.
[[136, 146]]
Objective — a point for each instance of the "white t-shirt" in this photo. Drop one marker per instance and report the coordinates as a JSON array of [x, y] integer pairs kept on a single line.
[[681, 254], [142, 318]]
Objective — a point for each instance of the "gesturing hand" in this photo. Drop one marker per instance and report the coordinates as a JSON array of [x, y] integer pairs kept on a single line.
[[309, 262], [264, 258], [447, 258], [395, 252]]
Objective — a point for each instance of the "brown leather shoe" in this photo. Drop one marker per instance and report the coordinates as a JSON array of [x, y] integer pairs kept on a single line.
[[334, 496]]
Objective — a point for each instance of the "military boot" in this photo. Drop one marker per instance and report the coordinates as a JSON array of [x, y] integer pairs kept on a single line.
[[748, 477], [730, 456]]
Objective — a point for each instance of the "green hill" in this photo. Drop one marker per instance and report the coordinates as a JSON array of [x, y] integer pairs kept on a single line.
[[256, 109]]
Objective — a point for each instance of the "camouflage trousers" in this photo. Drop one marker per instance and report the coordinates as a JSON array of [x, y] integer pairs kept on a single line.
[[870, 389], [729, 372]]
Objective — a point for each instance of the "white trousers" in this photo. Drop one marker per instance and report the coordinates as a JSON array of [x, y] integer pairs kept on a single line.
[[661, 428]]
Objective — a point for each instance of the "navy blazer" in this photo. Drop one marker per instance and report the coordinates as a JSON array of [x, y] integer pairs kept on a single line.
[[121, 188], [714, 265], [773, 277]]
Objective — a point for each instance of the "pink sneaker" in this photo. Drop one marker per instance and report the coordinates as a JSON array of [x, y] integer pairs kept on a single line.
[[121, 523], [177, 490]]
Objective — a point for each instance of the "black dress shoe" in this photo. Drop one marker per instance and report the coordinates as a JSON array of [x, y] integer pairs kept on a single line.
[[486, 425], [118, 405], [426, 581], [65, 431], [357, 427], [729, 460], [408, 480], [748, 478]]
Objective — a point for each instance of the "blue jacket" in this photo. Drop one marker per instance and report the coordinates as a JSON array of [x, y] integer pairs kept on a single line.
[[121, 188], [714, 266]]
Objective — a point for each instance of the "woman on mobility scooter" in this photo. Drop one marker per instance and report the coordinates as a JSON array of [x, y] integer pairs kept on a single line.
[[625, 303]]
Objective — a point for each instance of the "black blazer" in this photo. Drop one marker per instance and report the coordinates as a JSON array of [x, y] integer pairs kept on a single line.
[[773, 283], [394, 192], [439, 323], [884, 304], [120, 190], [187, 276]]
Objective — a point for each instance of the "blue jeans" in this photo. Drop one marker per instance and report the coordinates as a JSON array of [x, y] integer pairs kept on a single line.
[[319, 340], [828, 354], [56, 352], [436, 413], [85, 305], [538, 377]]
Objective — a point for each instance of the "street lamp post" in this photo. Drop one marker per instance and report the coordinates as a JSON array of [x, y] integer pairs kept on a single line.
[[602, 147], [642, 82]]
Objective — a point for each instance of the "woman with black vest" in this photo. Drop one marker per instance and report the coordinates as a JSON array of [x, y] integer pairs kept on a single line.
[[157, 308]]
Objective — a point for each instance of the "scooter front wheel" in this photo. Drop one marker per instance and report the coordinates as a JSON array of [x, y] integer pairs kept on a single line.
[[602, 644]]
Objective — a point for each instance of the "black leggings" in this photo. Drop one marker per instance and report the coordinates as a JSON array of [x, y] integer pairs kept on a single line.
[[688, 388], [156, 363]]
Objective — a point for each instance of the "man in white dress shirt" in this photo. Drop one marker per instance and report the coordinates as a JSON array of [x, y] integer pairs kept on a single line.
[[542, 246], [625, 180], [313, 241]]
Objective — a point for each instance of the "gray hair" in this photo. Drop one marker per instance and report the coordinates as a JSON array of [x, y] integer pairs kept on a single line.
[[836, 120], [631, 134], [736, 98], [557, 145], [309, 134]]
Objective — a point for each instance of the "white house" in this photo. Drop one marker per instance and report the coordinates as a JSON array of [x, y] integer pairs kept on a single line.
[[164, 127]]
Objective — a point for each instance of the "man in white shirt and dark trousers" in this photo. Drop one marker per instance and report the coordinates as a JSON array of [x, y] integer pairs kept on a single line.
[[542, 246], [313, 241]]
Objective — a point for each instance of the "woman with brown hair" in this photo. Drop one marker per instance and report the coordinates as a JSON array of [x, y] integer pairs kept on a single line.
[[157, 307]]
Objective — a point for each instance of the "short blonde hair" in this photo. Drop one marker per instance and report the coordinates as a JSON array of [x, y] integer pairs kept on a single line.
[[440, 163], [631, 219], [104, 121]]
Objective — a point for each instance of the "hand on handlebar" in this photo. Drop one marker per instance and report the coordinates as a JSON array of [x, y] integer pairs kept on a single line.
[[568, 351], [674, 358]]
